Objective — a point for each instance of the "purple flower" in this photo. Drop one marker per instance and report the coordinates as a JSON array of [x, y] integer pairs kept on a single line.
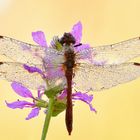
[[77, 32], [79, 96], [39, 38], [99, 63], [37, 103], [50, 59], [26, 93], [85, 98], [83, 49], [32, 69]]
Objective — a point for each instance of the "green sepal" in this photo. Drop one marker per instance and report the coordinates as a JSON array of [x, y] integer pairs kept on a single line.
[[58, 108], [52, 92], [58, 46], [41, 103]]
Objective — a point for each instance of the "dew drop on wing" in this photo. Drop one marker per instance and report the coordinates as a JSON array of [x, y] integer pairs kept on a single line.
[[104, 77]]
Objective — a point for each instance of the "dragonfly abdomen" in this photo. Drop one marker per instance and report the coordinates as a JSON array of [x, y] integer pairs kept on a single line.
[[69, 65], [68, 42], [69, 112]]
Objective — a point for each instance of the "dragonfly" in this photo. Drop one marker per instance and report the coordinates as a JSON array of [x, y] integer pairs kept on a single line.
[[86, 69]]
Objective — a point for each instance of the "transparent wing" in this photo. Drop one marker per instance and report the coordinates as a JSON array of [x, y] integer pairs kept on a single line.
[[16, 72], [116, 53], [20, 51], [91, 77]]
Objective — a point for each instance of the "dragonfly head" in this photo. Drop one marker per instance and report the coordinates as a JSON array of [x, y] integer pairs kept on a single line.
[[67, 39]]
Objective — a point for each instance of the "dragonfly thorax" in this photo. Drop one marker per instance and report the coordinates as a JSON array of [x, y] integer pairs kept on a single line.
[[70, 59], [68, 42]]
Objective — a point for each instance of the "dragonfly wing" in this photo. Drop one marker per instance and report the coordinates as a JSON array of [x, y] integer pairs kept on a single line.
[[116, 53], [20, 51], [15, 72], [91, 77]]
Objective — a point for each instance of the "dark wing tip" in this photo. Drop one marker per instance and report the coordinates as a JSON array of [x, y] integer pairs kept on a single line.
[[137, 64], [1, 36], [1, 63]]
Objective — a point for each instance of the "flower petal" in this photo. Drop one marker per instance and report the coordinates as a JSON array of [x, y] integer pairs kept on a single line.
[[21, 90], [40, 91], [99, 63], [39, 38], [34, 112], [19, 104], [85, 98], [54, 73], [63, 95], [32, 69], [25, 47], [92, 109], [77, 32], [84, 51], [82, 47], [51, 60]]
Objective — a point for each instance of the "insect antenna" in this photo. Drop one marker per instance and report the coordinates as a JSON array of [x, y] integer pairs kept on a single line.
[[77, 45]]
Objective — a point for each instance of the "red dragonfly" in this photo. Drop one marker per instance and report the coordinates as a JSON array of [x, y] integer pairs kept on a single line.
[[69, 62]]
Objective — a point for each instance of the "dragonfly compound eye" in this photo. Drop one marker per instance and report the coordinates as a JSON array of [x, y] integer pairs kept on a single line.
[[67, 39]]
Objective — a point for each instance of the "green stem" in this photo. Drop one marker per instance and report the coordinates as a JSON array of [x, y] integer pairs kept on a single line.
[[47, 119]]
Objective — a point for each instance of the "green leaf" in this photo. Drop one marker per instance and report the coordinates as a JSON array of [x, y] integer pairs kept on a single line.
[[53, 91], [58, 108], [41, 103]]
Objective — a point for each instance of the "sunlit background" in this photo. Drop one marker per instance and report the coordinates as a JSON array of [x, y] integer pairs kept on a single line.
[[104, 22]]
